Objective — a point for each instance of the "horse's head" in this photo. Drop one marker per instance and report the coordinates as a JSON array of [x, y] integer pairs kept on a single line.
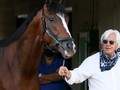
[[56, 33]]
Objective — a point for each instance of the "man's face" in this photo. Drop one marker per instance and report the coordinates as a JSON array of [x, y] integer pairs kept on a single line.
[[109, 45]]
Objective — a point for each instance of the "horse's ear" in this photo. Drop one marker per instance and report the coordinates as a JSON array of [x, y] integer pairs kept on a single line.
[[48, 2], [45, 7], [61, 1]]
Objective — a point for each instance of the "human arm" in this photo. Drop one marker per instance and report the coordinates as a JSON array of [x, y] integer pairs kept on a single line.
[[84, 71], [48, 78]]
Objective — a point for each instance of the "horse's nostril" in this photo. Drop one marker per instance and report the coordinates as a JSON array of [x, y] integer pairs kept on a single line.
[[69, 45]]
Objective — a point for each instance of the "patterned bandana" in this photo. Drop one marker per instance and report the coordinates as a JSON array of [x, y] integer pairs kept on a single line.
[[106, 62]]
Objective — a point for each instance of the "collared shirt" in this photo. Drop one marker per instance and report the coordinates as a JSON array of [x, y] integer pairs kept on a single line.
[[97, 80]]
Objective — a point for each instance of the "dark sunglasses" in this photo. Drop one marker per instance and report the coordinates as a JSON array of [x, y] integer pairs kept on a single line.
[[110, 42]]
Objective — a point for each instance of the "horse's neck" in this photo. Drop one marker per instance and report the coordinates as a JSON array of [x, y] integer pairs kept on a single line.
[[32, 35], [22, 57], [30, 47]]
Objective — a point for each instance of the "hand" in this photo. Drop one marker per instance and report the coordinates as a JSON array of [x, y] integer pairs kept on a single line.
[[63, 71]]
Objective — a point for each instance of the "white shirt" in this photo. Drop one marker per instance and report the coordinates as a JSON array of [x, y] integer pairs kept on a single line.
[[97, 80]]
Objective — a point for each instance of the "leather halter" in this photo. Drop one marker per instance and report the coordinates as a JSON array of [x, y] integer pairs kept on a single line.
[[50, 33]]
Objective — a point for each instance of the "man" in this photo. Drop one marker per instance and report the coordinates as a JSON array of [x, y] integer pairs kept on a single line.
[[101, 69]]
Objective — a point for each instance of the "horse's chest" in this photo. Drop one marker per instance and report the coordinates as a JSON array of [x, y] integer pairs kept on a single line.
[[12, 79]]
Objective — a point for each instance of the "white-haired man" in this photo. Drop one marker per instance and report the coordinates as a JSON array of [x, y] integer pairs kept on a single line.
[[101, 69]]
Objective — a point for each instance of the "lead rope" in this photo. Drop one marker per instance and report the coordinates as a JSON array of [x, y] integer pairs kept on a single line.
[[63, 64]]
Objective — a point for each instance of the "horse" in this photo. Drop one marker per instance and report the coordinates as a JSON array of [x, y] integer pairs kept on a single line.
[[20, 54]]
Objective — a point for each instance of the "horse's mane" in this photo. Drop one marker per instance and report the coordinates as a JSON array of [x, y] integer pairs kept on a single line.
[[21, 29], [54, 7]]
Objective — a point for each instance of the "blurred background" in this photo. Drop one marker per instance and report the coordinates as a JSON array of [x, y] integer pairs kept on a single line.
[[88, 20]]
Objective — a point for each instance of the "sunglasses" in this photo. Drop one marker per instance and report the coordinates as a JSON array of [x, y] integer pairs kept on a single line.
[[110, 42]]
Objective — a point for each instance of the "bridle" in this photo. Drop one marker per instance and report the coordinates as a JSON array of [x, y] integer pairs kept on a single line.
[[50, 33]]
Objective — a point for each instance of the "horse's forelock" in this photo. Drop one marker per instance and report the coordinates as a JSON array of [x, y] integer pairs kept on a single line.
[[56, 8]]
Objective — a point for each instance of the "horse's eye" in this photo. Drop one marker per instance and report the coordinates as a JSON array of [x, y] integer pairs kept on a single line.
[[51, 19]]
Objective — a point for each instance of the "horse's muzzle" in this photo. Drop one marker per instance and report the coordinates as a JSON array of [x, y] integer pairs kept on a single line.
[[68, 49]]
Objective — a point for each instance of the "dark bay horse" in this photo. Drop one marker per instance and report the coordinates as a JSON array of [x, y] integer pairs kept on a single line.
[[20, 54]]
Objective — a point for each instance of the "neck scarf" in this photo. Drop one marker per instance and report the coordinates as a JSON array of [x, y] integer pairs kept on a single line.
[[106, 62]]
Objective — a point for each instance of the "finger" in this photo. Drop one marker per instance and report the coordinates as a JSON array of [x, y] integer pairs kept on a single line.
[[61, 72]]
